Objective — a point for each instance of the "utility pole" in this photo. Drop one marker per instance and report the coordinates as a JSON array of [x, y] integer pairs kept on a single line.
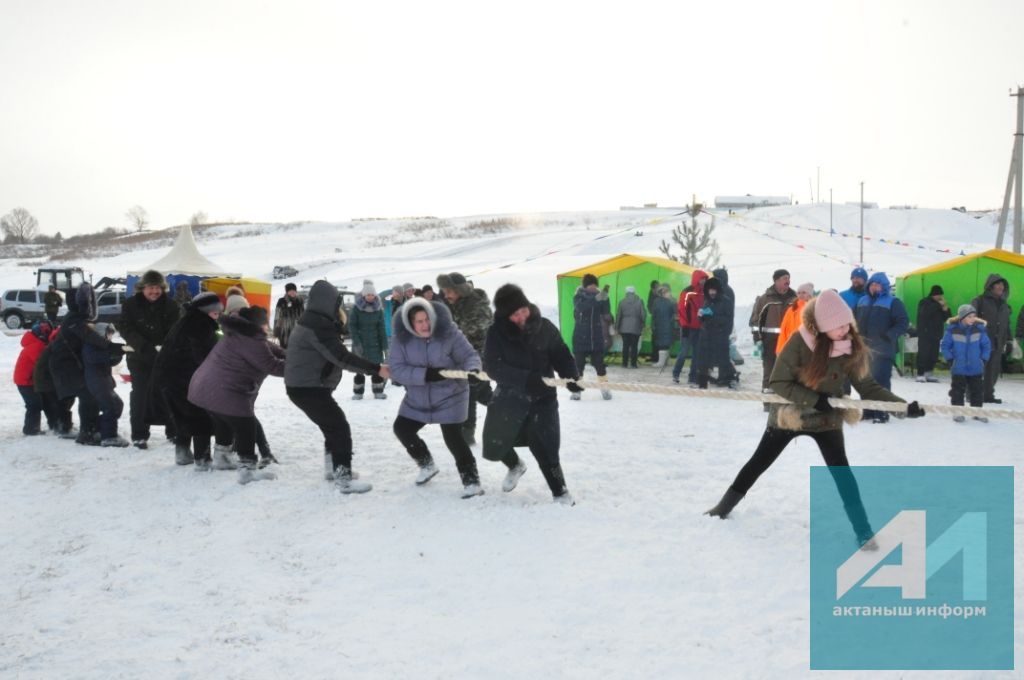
[[861, 224], [831, 231], [817, 190], [1013, 182]]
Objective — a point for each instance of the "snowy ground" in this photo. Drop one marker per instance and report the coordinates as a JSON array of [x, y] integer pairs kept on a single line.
[[121, 564]]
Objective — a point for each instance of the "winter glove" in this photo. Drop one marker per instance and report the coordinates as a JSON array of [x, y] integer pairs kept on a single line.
[[433, 375], [473, 378], [535, 386], [705, 311], [573, 387], [914, 410], [822, 405]]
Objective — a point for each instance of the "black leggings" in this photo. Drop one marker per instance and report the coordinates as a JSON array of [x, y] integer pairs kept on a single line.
[[407, 431], [833, 450], [630, 343]]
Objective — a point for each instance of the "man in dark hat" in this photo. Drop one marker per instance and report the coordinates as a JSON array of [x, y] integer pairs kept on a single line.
[[289, 309], [766, 321], [146, 319], [471, 312], [932, 313]]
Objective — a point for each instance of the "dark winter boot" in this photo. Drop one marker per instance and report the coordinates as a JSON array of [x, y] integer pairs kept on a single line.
[[725, 506], [183, 454]]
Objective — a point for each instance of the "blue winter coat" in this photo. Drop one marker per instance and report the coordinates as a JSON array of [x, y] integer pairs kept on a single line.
[[881, 319], [588, 313], [852, 297], [968, 347], [444, 401]]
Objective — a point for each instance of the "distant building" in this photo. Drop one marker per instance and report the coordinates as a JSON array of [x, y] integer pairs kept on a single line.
[[866, 205], [749, 201]]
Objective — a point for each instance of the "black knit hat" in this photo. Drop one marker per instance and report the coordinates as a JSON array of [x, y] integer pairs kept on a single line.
[[290, 286], [508, 299], [778, 274], [936, 290], [589, 280]]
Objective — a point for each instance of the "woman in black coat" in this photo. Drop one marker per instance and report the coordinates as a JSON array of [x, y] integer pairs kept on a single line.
[[68, 368], [188, 343], [716, 326], [523, 348], [932, 313]]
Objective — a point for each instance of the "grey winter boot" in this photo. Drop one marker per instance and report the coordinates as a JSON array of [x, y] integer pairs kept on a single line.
[[183, 455], [346, 482], [248, 471], [223, 458], [116, 440], [725, 506]]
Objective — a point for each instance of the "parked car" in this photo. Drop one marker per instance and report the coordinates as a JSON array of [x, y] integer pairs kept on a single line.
[[21, 307], [348, 301], [108, 305]]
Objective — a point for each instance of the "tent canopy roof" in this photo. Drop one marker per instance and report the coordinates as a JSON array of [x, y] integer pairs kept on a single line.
[[994, 253], [625, 261], [184, 258]]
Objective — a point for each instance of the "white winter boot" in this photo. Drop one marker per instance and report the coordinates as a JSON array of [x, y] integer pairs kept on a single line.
[[223, 458], [427, 472], [248, 471], [328, 467], [662, 358], [512, 478], [346, 482], [605, 394]]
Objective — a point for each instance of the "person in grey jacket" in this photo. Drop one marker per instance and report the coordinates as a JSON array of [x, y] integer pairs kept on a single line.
[[632, 317], [316, 357], [426, 341]]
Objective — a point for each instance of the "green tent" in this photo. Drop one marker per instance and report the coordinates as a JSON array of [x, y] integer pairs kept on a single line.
[[962, 279], [618, 272]]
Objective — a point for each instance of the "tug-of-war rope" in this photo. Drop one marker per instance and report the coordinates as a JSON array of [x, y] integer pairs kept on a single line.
[[860, 404]]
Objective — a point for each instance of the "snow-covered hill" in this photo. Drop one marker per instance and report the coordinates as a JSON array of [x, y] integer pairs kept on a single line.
[[120, 564]]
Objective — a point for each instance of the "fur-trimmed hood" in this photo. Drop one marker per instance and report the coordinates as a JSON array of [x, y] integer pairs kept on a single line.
[[441, 324]]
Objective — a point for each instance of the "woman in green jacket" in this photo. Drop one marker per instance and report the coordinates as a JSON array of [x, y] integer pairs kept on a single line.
[[812, 367]]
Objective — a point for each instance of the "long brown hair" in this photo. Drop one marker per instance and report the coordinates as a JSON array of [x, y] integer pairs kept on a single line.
[[812, 373]]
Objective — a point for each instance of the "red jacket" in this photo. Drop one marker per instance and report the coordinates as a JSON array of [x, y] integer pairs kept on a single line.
[[31, 348], [691, 300]]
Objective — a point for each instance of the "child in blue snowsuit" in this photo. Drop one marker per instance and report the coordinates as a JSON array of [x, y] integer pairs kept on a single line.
[[967, 346], [98, 358]]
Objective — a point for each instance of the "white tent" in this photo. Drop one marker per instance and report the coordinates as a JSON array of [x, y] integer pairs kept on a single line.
[[184, 258]]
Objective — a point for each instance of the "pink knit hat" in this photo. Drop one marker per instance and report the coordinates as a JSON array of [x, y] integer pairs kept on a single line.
[[831, 311]]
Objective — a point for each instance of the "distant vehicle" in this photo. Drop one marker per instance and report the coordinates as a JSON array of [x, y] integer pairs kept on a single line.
[[108, 305], [24, 306], [65, 279]]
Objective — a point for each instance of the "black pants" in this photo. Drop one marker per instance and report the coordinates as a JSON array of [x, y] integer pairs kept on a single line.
[[88, 411], [971, 385], [58, 411], [927, 353], [192, 425], [319, 406], [992, 370], [541, 431], [833, 450], [359, 383], [240, 429], [768, 345], [224, 436], [407, 429], [479, 393], [33, 409], [630, 346], [137, 400], [596, 359]]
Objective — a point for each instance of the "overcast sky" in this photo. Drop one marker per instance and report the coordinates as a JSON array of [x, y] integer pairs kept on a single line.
[[330, 110]]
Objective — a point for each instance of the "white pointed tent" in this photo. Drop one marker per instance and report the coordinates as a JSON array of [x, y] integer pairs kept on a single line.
[[185, 259]]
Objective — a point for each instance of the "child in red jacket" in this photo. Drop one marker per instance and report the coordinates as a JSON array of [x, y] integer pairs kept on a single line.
[[33, 342]]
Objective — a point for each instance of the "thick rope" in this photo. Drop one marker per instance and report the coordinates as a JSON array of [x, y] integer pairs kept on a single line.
[[862, 404]]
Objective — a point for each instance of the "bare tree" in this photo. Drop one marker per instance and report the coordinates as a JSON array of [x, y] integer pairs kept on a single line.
[[198, 218], [699, 248], [19, 226], [138, 217]]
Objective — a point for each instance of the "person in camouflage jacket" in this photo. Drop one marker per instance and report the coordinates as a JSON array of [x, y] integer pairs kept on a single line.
[[471, 311]]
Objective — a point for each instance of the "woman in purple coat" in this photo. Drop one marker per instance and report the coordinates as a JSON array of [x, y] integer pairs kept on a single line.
[[228, 381], [425, 341]]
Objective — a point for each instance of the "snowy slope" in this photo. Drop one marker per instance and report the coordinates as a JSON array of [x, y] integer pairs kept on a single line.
[[121, 564]]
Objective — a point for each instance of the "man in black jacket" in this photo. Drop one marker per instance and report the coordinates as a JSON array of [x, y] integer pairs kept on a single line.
[[146, 319], [932, 313], [992, 306], [522, 349]]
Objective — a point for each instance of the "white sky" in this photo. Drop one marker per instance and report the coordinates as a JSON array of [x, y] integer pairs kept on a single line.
[[330, 110]]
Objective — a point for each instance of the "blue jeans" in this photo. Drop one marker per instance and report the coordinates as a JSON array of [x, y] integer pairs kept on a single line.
[[33, 409], [687, 345]]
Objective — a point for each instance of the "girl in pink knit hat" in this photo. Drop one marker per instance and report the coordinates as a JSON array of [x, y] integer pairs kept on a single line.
[[807, 372]]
